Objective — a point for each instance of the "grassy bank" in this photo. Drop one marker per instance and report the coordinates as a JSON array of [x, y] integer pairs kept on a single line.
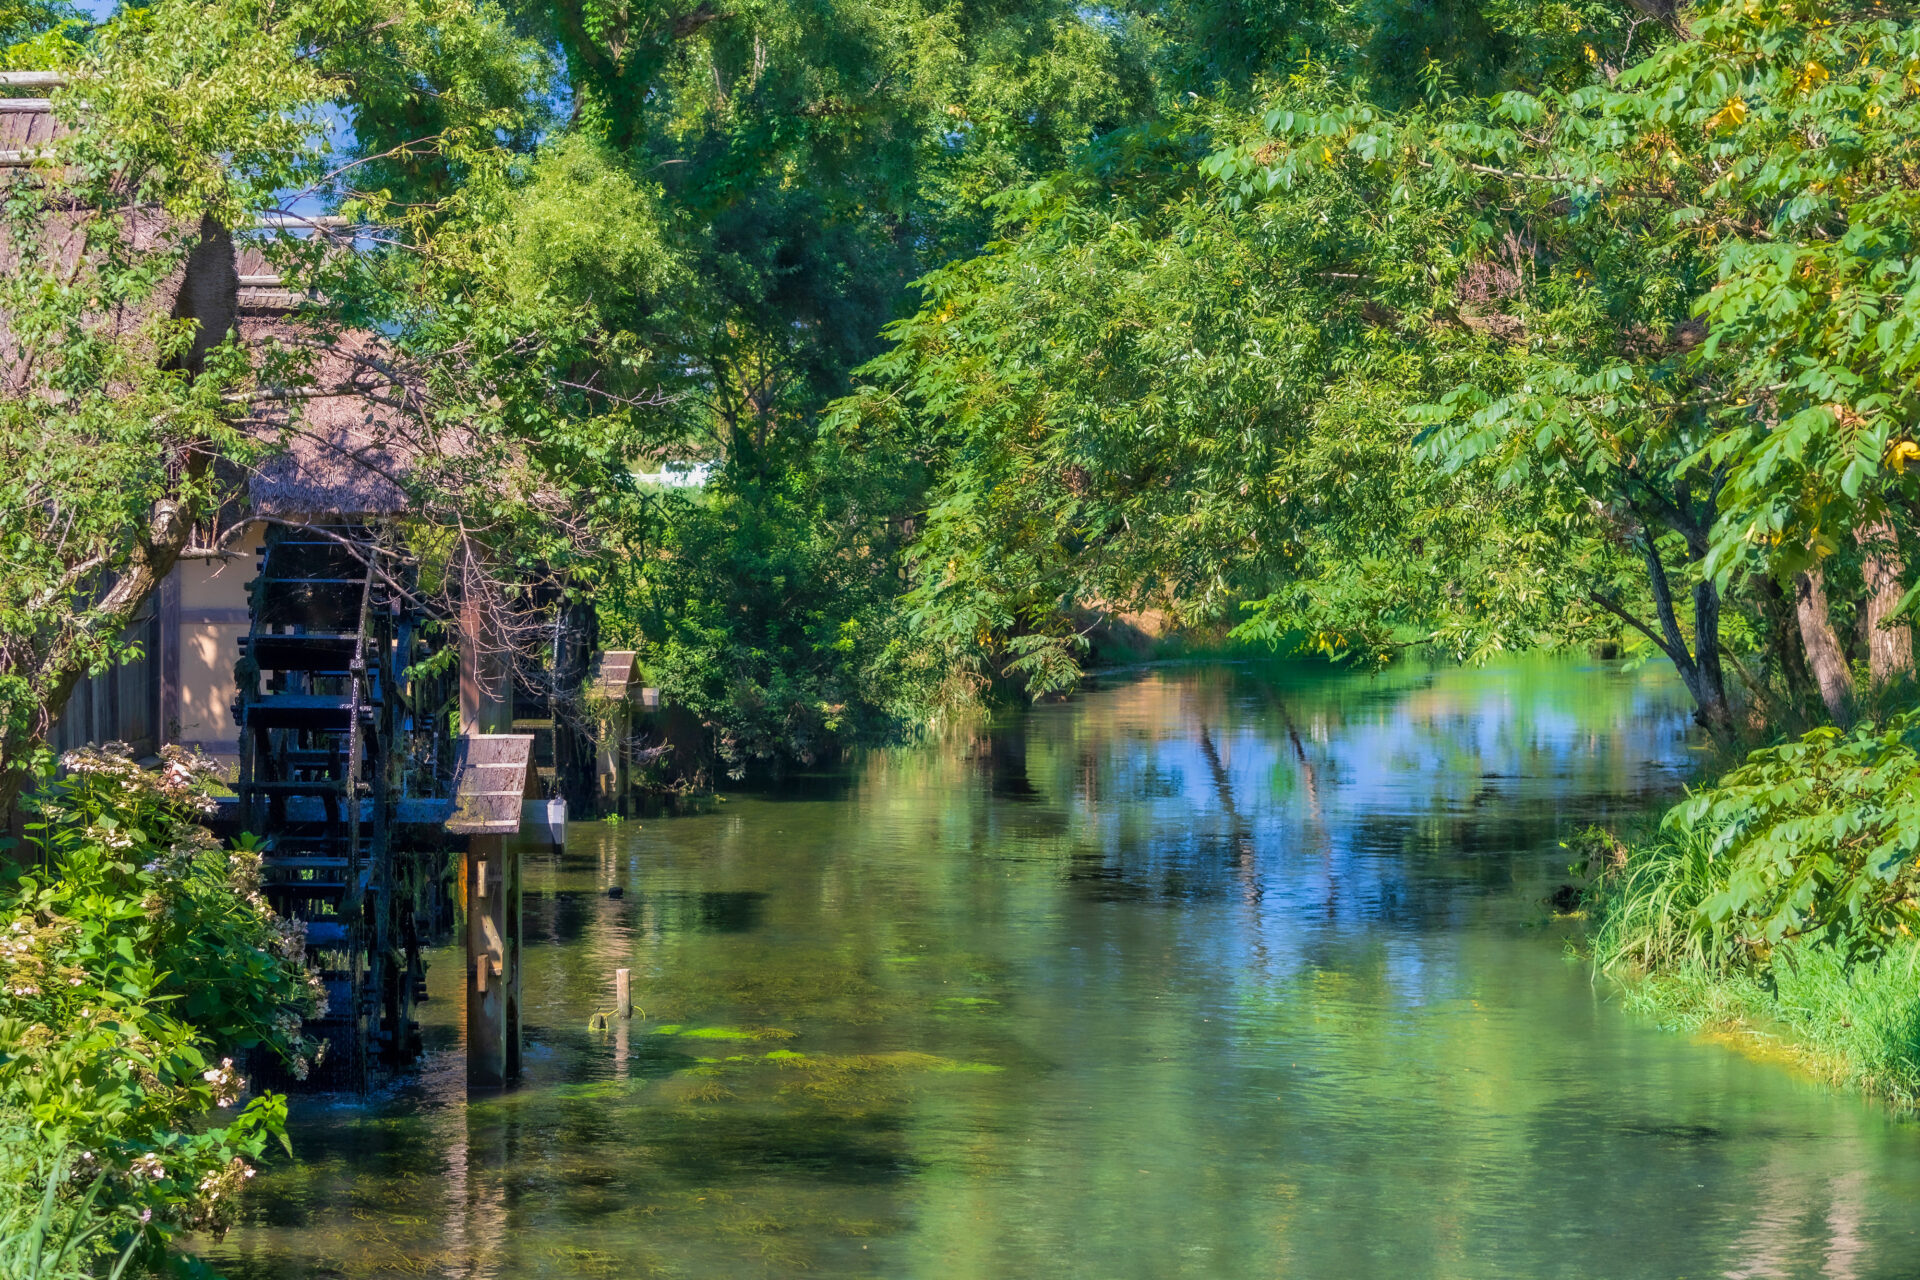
[[1778, 908], [1855, 1028]]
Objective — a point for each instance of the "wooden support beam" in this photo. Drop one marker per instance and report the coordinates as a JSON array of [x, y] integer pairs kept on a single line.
[[493, 776], [299, 221], [493, 963]]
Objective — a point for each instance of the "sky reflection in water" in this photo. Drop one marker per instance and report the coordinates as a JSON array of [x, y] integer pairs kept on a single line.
[[1214, 972]]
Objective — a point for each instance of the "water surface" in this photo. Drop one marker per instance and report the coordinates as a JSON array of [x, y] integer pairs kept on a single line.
[[1213, 972]]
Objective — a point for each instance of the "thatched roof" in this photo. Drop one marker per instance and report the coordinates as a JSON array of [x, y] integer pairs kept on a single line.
[[343, 453], [320, 472], [347, 452], [201, 287], [27, 125]]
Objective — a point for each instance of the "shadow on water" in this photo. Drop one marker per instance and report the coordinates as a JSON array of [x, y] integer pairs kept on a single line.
[[559, 916], [1214, 972]]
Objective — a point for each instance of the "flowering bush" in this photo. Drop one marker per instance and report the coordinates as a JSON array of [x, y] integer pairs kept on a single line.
[[134, 954]]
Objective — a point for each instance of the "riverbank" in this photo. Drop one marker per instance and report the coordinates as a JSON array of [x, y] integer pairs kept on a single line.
[[1855, 1029], [1776, 909]]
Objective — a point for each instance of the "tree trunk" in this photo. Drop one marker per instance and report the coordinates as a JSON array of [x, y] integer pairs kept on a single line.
[[1784, 649], [1822, 645], [1701, 673], [1889, 645], [166, 536], [1715, 714]]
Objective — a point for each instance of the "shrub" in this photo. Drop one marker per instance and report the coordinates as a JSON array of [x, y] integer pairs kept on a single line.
[[1781, 900], [132, 956], [1817, 838], [1813, 841]]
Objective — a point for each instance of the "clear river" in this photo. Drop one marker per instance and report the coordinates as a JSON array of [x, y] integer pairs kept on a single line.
[[1212, 971]]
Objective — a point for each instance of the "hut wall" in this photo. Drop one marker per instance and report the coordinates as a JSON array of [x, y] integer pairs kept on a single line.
[[208, 621], [120, 705]]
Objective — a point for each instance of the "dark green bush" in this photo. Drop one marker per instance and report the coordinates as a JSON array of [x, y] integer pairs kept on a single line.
[[138, 961]]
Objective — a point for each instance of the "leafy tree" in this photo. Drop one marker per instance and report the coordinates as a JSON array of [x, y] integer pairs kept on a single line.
[[1145, 396], [134, 411], [115, 409], [1573, 288], [1704, 353], [777, 621], [801, 164]]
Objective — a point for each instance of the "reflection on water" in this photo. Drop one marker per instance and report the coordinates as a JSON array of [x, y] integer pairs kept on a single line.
[[1213, 972]]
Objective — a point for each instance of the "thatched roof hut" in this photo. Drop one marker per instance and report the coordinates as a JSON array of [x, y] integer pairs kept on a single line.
[[339, 441]]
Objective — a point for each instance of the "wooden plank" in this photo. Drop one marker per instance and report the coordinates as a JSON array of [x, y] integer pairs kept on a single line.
[[613, 673], [493, 772]]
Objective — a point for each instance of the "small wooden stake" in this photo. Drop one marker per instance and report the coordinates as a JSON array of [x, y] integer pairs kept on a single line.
[[623, 991]]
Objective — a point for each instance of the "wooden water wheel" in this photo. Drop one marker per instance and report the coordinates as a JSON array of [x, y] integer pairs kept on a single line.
[[342, 710]]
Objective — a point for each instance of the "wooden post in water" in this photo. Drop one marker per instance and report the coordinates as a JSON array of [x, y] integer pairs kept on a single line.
[[494, 778], [493, 962], [623, 992]]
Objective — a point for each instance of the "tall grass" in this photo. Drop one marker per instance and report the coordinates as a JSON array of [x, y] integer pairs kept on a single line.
[[1854, 1024], [57, 1234], [1648, 898]]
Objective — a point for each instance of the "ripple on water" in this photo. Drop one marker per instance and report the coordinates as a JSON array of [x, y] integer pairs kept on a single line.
[[1218, 971]]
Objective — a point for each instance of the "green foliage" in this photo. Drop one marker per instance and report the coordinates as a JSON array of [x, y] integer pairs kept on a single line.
[[132, 957], [45, 1235], [1605, 294], [1780, 901], [583, 228], [1818, 838], [1813, 841], [1707, 253], [182, 118], [775, 619], [1145, 397], [783, 171]]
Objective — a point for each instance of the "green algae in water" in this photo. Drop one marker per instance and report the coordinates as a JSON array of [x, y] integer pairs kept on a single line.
[[598, 1089], [724, 1033]]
